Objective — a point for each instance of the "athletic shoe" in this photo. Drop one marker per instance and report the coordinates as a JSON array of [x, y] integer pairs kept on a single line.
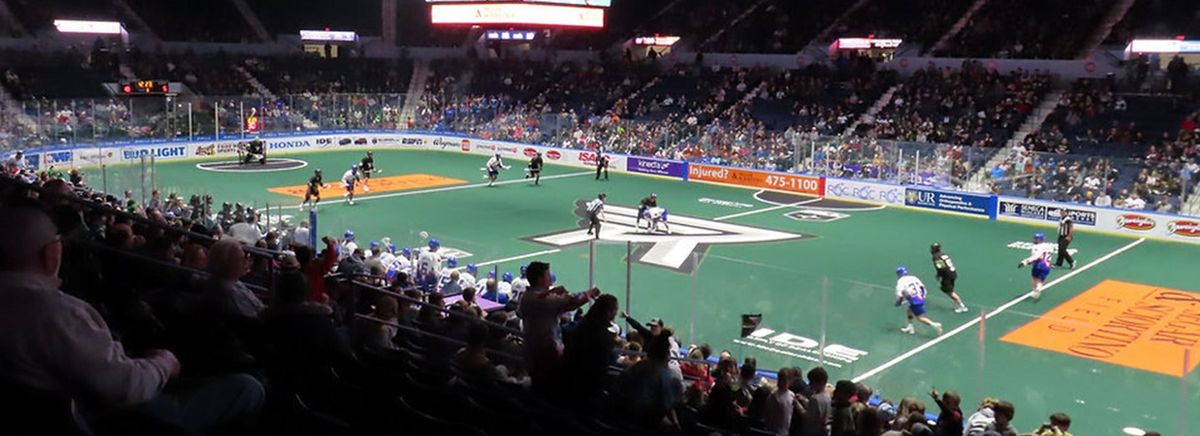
[[938, 327], [366, 188], [1072, 264], [910, 330], [961, 309], [1036, 294]]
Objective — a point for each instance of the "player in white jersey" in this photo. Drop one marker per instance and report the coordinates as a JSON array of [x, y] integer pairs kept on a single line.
[[349, 179], [656, 217], [466, 279], [347, 246], [402, 262], [910, 290], [388, 254], [505, 286], [444, 275], [520, 284], [429, 265], [1039, 257], [493, 167]]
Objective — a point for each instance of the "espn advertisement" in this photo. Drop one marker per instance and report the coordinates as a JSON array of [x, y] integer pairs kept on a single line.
[[869, 192], [657, 167], [958, 202], [799, 184]]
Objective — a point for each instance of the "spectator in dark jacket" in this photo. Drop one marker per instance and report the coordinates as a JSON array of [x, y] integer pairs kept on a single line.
[[842, 419], [589, 350], [950, 420]]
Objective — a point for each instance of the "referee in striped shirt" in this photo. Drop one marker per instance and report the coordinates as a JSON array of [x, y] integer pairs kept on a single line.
[[1066, 233]]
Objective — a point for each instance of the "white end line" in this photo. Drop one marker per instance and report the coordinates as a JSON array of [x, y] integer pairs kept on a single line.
[[442, 189], [523, 256], [753, 212], [989, 315]]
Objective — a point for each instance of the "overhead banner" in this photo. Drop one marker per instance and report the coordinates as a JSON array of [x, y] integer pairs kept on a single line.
[[796, 183]]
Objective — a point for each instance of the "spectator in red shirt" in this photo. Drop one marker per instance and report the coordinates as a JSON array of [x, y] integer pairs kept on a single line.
[[316, 269]]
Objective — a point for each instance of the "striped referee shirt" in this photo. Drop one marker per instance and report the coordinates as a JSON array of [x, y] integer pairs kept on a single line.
[[1065, 226]]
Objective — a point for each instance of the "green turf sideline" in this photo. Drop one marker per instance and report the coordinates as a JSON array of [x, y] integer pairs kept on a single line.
[[989, 315], [444, 189], [777, 207]]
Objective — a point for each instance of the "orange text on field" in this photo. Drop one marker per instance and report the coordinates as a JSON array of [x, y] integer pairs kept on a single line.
[[1128, 324], [377, 185]]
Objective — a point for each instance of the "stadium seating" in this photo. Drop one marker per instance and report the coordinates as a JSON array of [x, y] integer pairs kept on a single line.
[[356, 367]]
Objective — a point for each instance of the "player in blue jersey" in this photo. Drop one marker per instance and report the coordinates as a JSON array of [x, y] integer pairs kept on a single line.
[[1039, 257], [910, 291]]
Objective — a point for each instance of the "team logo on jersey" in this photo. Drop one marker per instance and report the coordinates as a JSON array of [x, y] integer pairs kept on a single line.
[[673, 250], [1185, 228], [1133, 221]]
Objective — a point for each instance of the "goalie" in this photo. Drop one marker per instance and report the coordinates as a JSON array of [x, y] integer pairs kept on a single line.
[[251, 151]]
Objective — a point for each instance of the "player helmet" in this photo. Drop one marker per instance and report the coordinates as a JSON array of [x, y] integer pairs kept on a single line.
[[348, 235], [497, 154], [391, 248], [317, 171], [523, 268], [434, 244], [452, 261], [374, 245], [1039, 237], [492, 274], [935, 247], [471, 268], [507, 277], [407, 252], [653, 195], [354, 167], [369, 153], [553, 278], [901, 271]]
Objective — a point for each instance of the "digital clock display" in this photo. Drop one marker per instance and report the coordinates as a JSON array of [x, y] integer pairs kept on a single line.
[[145, 87]]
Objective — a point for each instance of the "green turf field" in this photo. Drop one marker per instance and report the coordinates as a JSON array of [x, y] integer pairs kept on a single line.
[[830, 281]]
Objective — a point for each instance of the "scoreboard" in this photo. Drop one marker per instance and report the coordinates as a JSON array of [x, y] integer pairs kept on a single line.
[[144, 87], [545, 13], [587, 3]]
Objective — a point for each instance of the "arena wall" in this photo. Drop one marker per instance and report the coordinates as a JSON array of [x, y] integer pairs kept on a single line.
[[1122, 222]]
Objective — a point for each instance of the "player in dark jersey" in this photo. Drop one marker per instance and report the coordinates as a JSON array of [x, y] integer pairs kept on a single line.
[[535, 169], [946, 275], [645, 205], [601, 164], [314, 189], [365, 168]]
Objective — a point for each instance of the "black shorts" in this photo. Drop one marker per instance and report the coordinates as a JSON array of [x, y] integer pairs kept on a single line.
[[947, 284], [366, 174], [312, 192]]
